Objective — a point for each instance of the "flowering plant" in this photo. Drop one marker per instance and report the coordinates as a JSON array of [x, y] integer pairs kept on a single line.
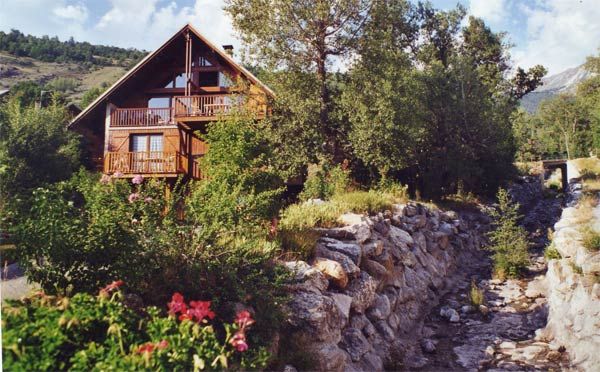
[[88, 332]]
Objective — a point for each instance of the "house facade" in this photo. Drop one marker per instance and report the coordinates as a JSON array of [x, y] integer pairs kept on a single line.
[[150, 121]]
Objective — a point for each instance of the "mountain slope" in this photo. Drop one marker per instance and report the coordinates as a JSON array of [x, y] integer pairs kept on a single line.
[[564, 82]]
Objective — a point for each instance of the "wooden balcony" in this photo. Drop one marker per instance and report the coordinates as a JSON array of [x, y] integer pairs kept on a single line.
[[204, 108], [153, 163], [141, 117]]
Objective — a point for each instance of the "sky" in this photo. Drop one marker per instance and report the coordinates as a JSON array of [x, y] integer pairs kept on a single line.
[[558, 34]]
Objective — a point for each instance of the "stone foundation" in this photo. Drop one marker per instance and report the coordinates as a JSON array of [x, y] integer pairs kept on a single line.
[[360, 303]]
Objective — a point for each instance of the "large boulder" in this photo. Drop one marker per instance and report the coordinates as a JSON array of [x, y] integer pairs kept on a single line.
[[332, 270], [349, 249], [350, 268], [315, 316]]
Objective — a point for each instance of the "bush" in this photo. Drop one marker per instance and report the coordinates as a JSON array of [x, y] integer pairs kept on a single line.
[[551, 253], [310, 214], [508, 240], [324, 181], [476, 295], [88, 332], [591, 239]]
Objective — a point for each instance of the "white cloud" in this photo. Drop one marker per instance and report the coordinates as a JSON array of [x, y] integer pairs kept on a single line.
[[492, 11], [143, 24], [76, 13], [560, 34]]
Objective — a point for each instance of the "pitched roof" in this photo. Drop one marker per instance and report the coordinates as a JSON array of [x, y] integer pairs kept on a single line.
[[150, 56]]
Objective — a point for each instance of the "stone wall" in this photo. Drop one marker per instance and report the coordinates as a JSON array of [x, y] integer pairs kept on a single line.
[[574, 294], [359, 304]]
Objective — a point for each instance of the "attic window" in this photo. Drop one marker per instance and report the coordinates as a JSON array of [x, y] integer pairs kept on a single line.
[[180, 80], [203, 62]]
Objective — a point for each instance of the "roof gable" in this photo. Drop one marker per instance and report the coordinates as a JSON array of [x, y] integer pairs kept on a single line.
[[188, 27]]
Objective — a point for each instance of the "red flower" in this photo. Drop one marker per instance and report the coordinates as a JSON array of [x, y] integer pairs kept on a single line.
[[244, 319], [112, 286], [148, 347], [177, 305], [185, 316], [200, 310], [239, 341]]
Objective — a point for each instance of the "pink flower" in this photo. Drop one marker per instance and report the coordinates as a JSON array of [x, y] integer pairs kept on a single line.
[[114, 285], [239, 341], [200, 310], [133, 197], [177, 305], [117, 174], [243, 319], [137, 180], [105, 179], [162, 344], [148, 199]]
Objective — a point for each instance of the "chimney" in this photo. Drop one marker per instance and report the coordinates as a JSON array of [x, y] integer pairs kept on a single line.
[[228, 49]]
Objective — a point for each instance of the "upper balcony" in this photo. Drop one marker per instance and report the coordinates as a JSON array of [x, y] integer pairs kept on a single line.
[[186, 109]]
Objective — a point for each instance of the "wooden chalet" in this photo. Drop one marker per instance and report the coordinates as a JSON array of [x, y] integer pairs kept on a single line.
[[147, 122]]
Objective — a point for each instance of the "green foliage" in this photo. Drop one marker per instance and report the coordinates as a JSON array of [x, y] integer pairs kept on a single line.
[[324, 181], [36, 148], [298, 244], [63, 84], [87, 332], [591, 239], [476, 295], [241, 188], [508, 240], [91, 95], [310, 214], [551, 253], [53, 50]]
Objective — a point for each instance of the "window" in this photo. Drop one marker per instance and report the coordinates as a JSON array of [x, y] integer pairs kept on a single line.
[[208, 79], [202, 62], [225, 81], [146, 142], [180, 80], [159, 102]]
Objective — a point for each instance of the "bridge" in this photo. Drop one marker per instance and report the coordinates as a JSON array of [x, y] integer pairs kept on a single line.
[[567, 171]]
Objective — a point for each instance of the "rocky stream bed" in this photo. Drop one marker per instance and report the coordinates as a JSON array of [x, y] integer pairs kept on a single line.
[[505, 333]]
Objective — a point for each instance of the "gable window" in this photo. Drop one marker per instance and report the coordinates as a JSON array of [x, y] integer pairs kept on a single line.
[[202, 62], [180, 80]]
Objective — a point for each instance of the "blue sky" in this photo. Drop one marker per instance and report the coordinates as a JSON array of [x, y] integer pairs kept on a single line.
[[556, 33]]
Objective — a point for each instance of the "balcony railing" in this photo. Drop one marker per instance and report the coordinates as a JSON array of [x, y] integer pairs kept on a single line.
[[141, 117], [153, 162], [208, 106]]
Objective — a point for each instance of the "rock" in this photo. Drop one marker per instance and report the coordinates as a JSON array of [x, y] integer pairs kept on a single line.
[[343, 303], [400, 237], [372, 249], [489, 351], [554, 355], [427, 345], [466, 309], [508, 345], [332, 270], [358, 321], [361, 232], [371, 362], [375, 269], [484, 309], [349, 219], [362, 291], [355, 343], [410, 210], [289, 368], [535, 288], [329, 357], [353, 251], [384, 330], [349, 267], [317, 316], [297, 268], [450, 314], [339, 233], [380, 308]]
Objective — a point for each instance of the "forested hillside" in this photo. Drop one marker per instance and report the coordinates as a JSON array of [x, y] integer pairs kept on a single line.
[[51, 49]]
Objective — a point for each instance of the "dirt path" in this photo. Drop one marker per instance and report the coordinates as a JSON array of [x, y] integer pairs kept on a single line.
[[501, 334]]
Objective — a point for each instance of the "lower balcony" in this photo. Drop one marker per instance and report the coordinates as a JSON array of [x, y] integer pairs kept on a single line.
[[153, 163]]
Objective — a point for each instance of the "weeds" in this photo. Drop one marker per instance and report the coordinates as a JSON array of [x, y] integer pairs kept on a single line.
[[551, 253], [591, 239], [576, 268], [476, 295]]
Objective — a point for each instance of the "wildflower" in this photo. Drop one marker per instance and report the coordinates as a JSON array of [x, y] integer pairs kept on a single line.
[[200, 310], [243, 319], [177, 305], [134, 221], [148, 347], [133, 197], [138, 179], [148, 199], [239, 341], [117, 174], [105, 179], [162, 345]]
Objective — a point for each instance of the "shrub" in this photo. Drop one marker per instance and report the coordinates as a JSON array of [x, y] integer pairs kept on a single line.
[[309, 214], [508, 240], [476, 295], [86, 332], [551, 253], [591, 239], [324, 181], [368, 202]]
